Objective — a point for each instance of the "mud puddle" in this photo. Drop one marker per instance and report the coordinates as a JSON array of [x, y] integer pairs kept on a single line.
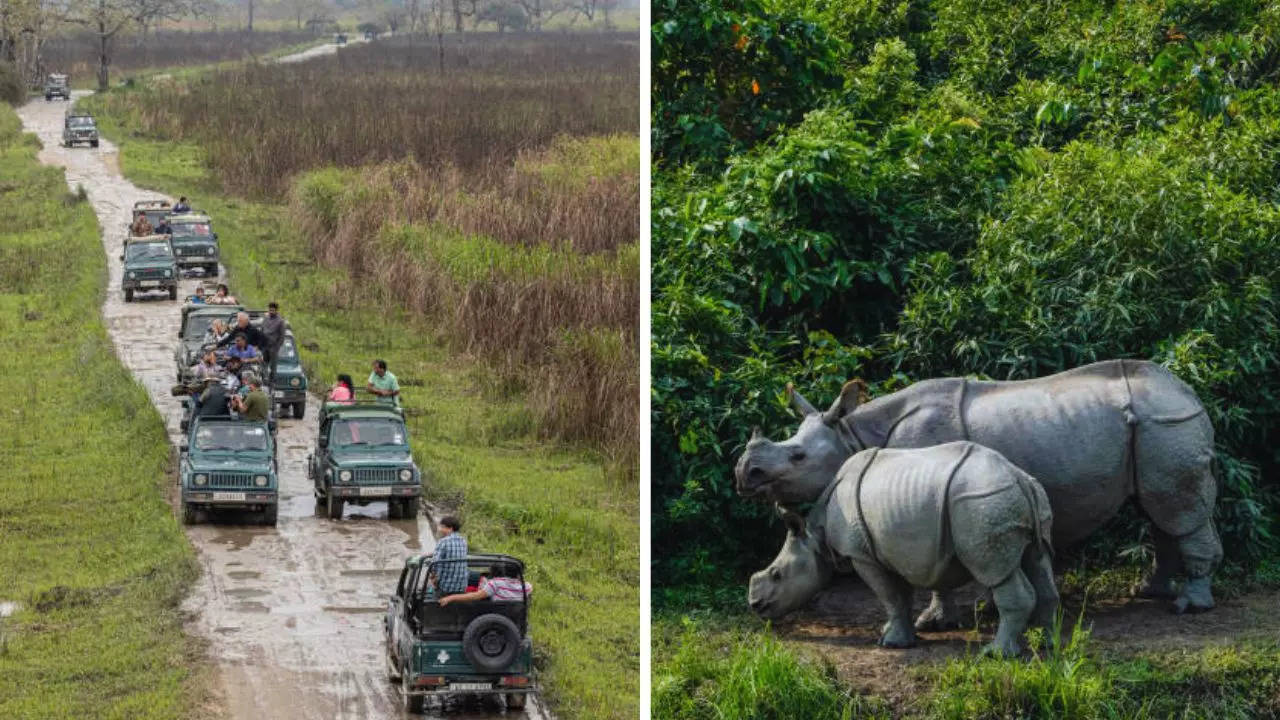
[[292, 614]]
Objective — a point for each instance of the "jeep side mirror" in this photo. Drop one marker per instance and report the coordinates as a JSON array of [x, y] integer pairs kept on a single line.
[[215, 236], [324, 441], [122, 256]]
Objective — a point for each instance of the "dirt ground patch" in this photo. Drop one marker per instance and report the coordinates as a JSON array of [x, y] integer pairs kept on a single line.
[[843, 624]]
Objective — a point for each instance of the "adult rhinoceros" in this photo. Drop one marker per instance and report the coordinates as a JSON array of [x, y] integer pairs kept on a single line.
[[1093, 436]]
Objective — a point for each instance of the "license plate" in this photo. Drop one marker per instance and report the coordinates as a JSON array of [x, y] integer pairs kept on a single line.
[[470, 686], [375, 491], [149, 283], [279, 393], [228, 496]]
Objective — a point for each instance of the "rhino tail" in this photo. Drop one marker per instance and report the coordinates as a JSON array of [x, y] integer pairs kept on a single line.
[[1041, 514]]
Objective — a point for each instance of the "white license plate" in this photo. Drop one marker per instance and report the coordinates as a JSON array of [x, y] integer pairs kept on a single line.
[[375, 491], [279, 393], [228, 496], [149, 283], [471, 687]]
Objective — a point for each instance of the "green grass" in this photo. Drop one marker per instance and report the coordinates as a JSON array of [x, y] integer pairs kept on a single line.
[[558, 510], [88, 546]]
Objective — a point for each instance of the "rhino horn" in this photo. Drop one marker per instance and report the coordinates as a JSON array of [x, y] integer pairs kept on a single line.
[[792, 519], [798, 403]]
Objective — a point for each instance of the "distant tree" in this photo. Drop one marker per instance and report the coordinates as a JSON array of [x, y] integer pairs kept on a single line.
[[505, 15], [105, 19]]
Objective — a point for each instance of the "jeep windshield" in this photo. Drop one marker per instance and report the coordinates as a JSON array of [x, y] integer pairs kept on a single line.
[[80, 122], [148, 251], [184, 231], [288, 351], [234, 436], [359, 432]]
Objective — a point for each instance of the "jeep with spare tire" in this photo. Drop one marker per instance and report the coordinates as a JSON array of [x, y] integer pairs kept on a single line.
[[149, 266], [56, 86], [481, 647], [194, 242], [361, 456], [228, 464]]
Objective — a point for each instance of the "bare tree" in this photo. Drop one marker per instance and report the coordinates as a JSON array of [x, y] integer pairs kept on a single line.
[[105, 19], [541, 11], [590, 8], [25, 25], [413, 8]]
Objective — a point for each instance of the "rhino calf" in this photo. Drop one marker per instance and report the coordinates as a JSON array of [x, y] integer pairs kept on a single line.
[[934, 517]]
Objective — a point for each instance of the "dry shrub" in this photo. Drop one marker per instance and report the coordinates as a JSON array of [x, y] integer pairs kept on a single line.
[[77, 53]]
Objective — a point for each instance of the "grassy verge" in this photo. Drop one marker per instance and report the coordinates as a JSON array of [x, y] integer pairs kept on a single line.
[[559, 511], [88, 548]]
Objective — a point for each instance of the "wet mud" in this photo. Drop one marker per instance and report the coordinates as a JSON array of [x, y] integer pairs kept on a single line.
[[292, 615]]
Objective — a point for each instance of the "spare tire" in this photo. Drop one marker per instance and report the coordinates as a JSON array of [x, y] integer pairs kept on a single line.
[[491, 642]]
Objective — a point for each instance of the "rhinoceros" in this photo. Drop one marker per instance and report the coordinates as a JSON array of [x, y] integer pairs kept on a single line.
[[935, 517], [1093, 436]]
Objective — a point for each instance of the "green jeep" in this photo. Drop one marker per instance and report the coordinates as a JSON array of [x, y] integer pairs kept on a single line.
[[196, 320], [289, 386], [362, 455], [155, 210], [228, 464], [56, 87], [149, 267], [194, 242], [468, 648]]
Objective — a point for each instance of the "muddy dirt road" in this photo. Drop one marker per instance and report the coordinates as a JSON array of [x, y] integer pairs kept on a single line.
[[292, 614]]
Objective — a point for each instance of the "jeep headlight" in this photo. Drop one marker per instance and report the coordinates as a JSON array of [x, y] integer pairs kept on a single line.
[[168, 273], [406, 475], [260, 481], [295, 382], [201, 479], [132, 275], [345, 476]]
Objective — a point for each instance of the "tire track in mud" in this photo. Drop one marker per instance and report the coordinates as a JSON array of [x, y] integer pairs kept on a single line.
[[293, 615]]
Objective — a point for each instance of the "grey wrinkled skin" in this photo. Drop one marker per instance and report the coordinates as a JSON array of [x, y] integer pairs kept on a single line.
[[936, 517], [1093, 437]]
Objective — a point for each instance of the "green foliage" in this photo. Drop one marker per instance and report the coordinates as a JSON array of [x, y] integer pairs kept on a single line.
[[12, 89], [1003, 189], [727, 73], [751, 677]]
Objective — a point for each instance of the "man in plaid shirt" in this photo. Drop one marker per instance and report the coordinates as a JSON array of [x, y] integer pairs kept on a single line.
[[451, 577]]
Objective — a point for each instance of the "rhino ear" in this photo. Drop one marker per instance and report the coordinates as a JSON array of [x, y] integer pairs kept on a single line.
[[851, 395], [798, 403], [792, 519]]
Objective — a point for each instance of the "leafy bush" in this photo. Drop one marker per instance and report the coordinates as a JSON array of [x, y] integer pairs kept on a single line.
[[11, 86]]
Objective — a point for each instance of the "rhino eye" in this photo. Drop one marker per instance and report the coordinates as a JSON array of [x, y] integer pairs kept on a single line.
[[797, 456], [775, 575]]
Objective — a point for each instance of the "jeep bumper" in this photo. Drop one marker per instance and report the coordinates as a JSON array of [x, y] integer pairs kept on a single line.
[[378, 492], [145, 284], [251, 499], [447, 685]]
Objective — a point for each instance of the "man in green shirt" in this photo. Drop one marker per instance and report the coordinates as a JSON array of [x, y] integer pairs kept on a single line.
[[255, 405], [383, 384]]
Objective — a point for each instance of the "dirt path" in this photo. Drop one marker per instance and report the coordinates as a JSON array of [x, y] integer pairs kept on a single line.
[[292, 614], [843, 624], [328, 48]]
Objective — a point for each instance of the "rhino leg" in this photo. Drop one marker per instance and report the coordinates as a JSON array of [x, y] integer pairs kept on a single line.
[[1015, 599], [1039, 570], [1201, 553], [1159, 584], [895, 594], [941, 614]]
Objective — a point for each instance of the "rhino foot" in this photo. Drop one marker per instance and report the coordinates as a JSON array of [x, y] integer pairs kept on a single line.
[[1196, 597], [1001, 650], [896, 635]]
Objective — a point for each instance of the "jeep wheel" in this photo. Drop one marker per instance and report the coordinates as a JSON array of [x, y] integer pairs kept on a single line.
[[409, 508], [411, 703], [269, 515], [335, 507], [128, 295], [93, 143], [321, 506], [211, 270], [299, 410], [491, 642], [189, 514], [515, 701], [393, 509], [173, 293]]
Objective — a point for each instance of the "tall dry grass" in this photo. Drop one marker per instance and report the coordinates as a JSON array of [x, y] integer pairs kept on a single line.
[[496, 97], [77, 53], [535, 270]]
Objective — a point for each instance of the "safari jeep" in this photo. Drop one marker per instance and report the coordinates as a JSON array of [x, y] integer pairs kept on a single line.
[[467, 648], [362, 455], [289, 386], [194, 242], [155, 210], [149, 267], [228, 464], [79, 127], [56, 87], [196, 320]]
